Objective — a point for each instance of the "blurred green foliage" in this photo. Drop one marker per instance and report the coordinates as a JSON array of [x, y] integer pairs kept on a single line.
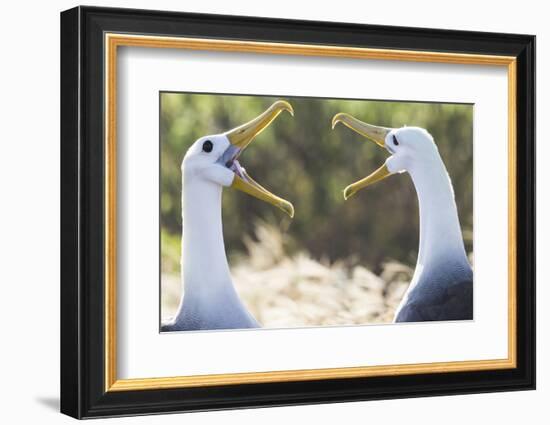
[[302, 160]]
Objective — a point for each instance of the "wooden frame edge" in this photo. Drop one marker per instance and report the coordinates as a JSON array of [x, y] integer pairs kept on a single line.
[[114, 40], [306, 375]]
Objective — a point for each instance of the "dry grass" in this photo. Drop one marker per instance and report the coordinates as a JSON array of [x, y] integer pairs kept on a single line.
[[283, 291]]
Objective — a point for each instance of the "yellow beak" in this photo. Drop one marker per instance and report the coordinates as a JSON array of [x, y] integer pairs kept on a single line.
[[253, 188], [242, 135], [240, 138], [376, 176], [372, 132]]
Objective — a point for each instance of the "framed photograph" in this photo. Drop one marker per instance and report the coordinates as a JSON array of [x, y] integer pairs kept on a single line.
[[261, 212]]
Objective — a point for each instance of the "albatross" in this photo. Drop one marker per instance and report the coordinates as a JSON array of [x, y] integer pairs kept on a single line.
[[210, 300], [442, 283]]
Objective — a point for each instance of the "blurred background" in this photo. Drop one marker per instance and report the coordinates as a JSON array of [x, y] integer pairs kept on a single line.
[[337, 262]]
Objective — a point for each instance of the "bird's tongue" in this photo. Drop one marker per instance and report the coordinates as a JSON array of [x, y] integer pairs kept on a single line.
[[237, 169]]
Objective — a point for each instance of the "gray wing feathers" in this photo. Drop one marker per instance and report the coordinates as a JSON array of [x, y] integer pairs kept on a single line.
[[227, 314], [452, 301]]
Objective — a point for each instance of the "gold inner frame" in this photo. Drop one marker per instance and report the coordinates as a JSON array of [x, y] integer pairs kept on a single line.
[[113, 41]]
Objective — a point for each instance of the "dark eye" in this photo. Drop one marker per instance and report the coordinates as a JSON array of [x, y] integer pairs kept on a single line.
[[395, 142], [207, 146]]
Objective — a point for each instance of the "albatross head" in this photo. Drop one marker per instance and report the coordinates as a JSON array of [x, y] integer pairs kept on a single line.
[[410, 147], [214, 159]]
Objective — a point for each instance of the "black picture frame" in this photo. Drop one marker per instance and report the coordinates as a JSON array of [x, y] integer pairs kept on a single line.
[[83, 392]]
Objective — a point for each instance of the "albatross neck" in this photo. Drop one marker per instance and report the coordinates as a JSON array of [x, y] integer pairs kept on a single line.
[[205, 271], [440, 234]]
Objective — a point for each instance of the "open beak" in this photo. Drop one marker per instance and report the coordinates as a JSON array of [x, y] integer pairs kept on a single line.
[[240, 138], [373, 133]]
